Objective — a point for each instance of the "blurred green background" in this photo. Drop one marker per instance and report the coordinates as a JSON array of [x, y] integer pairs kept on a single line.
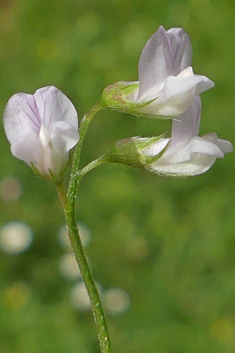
[[168, 243]]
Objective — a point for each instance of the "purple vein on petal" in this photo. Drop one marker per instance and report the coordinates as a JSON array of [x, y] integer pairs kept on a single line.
[[172, 54], [176, 64], [166, 49], [36, 107], [36, 123], [44, 109], [176, 59], [30, 118], [27, 114], [49, 123], [166, 60]]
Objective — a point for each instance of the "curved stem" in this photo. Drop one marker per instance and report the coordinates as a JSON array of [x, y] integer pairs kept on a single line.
[[96, 163], [68, 202], [75, 177], [75, 240]]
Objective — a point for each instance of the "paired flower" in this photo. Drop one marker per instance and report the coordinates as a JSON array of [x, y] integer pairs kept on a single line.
[[42, 128], [184, 154], [167, 84]]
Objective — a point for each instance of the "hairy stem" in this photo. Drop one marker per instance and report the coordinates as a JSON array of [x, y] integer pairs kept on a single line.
[[88, 279], [75, 176], [68, 202], [96, 163]]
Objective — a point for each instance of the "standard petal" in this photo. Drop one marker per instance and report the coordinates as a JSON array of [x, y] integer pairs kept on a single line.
[[166, 53], [53, 105], [21, 117], [181, 52]]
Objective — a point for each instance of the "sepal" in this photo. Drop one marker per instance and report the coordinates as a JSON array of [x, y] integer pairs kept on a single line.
[[117, 97], [133, 151]]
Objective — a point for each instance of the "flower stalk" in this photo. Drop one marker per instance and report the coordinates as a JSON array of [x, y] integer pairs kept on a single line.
[[88, 279], [75, 176], [68, 202]]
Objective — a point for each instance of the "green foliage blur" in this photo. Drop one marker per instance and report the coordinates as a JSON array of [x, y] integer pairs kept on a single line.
[[169, 243]]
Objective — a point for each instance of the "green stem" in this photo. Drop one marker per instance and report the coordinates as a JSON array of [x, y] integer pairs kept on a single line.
[[96, 163], [68, 202], [75, 240], [75, 176]]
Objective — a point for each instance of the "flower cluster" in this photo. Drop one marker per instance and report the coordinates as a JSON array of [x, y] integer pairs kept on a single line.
[[167, 86], [42, 128]]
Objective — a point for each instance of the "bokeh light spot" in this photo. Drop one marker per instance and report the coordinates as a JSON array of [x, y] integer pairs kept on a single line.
[[10, 189], [68, 267], [116, 301], [15, 237]]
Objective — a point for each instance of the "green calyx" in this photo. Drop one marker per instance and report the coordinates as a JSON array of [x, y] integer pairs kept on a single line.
[[115, 97], [131, 151]]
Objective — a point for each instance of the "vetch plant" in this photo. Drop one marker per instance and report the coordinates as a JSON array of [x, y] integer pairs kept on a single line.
[[43, 129]]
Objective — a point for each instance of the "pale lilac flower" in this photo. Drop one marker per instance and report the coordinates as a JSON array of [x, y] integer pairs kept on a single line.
[[185, 152], [42, 128], [166, 75]]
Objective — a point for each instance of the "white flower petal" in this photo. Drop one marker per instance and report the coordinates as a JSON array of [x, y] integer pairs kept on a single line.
[[175, 86], [156, 148], [224, 145], [201, 145], [176, 94], [26, 148], [182, 153], [204, 84], [64, 136], [198, 164]]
